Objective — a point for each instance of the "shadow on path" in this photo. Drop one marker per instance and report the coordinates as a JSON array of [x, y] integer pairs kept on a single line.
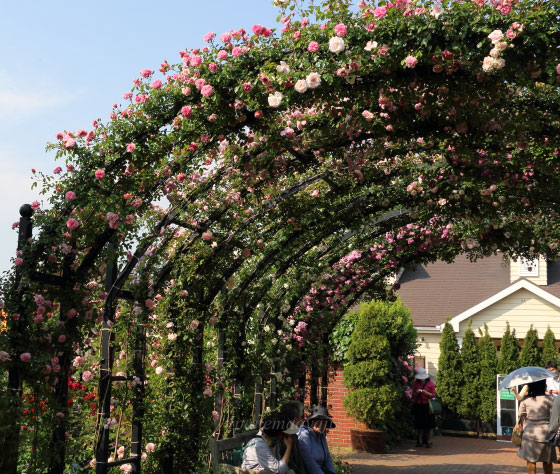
[[448, 455]]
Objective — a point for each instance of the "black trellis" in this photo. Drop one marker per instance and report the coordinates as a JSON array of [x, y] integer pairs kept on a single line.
[[65, 282]]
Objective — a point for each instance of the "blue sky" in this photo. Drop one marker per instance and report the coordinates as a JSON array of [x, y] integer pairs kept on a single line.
[[64, 63]]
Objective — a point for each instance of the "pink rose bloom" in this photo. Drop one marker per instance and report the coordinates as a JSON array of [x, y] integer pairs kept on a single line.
[[340, 29], [380, 12], [236, 52], [72, 313], [72, 223], [194, 324], [57, 170], [215, 415], [100, 174], [60, 415], [258, 29], [25, 357], [558, 69], [206, 235], [247, 86], [62, 339], [120, 452], [4, 356], [150, 447], [146, 72], [87, 376], [225, 38], [207, 90], [70, 195], [186, 111], [313, 47], [156, 84], [411, 62], [209, 36], [207, 392], [195, 60], [18, 261], [130, 147], [496, 36], [222, 54], [127, 95]]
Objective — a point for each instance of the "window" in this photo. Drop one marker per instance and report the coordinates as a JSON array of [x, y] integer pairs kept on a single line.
[[529, 267]]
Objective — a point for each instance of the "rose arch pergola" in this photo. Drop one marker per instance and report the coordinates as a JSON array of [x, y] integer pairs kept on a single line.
[[199, 247]]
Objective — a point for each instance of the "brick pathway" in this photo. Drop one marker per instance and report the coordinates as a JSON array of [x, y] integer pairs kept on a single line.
[[448, 455]]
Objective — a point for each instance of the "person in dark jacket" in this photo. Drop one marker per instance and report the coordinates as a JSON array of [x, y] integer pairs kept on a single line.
[[293, 411], [313, 442]]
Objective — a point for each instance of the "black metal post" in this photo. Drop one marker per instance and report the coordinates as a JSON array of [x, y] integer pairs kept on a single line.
[[105, 368], [258, 400], [219, 369], [139, 389], [61, 388], [10, 444]]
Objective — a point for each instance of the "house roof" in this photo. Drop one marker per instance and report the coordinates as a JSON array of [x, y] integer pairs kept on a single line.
[[440, 290], [518, 285]]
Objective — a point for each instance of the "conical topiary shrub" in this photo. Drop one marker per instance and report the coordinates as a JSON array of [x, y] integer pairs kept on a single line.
[[375, 372]]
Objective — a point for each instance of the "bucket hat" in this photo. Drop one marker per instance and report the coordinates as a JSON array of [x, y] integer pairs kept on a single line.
[[421, 373], [320, 413]]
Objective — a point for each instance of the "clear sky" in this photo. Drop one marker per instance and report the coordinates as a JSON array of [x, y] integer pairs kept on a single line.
[[64, 63]]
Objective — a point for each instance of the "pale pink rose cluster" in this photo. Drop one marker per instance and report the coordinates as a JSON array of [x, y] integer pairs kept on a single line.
[[494, 62]]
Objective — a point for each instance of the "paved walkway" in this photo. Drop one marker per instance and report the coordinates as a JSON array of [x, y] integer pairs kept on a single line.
[[448, 455]]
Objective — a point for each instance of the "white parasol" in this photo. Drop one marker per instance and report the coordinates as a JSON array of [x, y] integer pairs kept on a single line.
[[525, 375]]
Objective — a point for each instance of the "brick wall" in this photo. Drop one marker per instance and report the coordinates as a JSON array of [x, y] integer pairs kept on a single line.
[[339, 436]]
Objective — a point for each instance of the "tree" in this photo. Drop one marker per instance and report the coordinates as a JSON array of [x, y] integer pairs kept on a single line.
[[470, 389], [450, 374], [549, 350], [488, 371], [531, 352], [509, 352]]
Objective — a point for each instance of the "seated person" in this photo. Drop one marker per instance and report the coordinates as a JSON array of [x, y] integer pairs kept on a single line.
[[293, 411], [313, 442], [258, 454]]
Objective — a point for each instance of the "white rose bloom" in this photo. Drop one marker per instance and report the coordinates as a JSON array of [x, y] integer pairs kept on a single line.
[[267, 328], [275, 99], [336, 44], [283, 68], [436, 11], [301, 86], [371, 45], [288, 347], [274, 341], [501, 45], [495, 52], [313, 80]]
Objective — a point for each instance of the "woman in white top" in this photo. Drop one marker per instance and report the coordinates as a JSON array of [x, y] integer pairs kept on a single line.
[[258, 454]]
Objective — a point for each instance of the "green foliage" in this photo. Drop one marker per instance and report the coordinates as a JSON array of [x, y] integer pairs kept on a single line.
[[488, 371], [450, 371], [341, 336], [341, 466], [548, 350], [509, 352], [531, 352], [375, 371], [470, 389]]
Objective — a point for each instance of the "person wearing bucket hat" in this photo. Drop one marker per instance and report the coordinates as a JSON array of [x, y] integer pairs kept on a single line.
[[313, 442], [422, 390]]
